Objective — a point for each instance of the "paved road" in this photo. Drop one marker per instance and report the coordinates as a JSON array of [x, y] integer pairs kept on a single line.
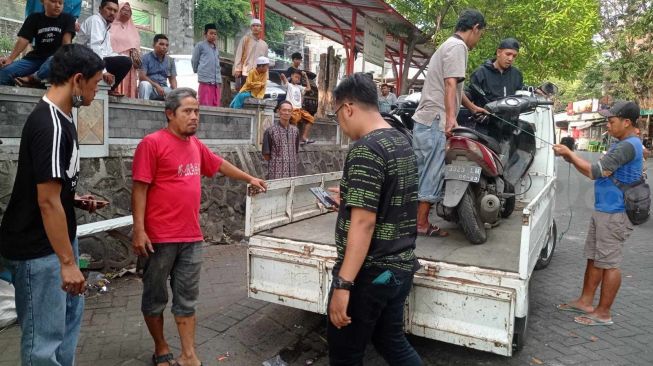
[[239, 331]]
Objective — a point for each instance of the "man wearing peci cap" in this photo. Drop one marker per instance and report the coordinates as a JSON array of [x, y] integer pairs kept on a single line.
[[497, 78], [249, 49], [609, 225], [206, 63], [254, 84]]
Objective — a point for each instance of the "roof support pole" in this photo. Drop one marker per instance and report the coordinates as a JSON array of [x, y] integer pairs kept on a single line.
[[352, 43], [400, 75], [258, 11]]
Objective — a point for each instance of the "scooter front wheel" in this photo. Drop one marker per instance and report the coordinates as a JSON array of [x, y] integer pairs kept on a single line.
[[469, 218]]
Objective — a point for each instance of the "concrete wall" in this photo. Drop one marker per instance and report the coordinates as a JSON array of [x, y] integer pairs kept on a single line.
[[228, 132]]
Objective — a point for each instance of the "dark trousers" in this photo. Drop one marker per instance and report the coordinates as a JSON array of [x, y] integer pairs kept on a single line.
[[377, 315], [119, 66]]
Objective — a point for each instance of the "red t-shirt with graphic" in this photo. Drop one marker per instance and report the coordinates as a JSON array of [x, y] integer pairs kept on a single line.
[[172, 167]]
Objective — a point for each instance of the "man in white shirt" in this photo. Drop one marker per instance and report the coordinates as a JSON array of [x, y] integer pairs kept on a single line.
[[94, 33], [250, 47], [295, 95]]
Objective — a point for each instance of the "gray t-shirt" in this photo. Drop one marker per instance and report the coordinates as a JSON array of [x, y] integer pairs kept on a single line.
[[449, 61]]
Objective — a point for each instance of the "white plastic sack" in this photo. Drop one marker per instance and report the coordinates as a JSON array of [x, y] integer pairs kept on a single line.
[[7, 304]]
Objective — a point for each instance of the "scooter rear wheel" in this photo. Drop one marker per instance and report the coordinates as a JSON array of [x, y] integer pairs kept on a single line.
[[470, 220]]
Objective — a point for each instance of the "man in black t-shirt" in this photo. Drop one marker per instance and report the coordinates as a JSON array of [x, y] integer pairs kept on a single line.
[[48, 30], [38, 231], [375, 233]]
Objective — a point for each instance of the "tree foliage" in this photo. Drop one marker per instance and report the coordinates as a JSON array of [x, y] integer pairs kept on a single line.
[[627, 41], [275, 26], [228, 15], [555, 35]]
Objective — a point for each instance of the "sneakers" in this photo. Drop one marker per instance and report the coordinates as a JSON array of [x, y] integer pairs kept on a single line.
[[306, 142]]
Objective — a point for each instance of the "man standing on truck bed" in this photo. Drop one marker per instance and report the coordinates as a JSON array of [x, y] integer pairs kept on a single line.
[[437, 111], [375, 233], [609, 226]]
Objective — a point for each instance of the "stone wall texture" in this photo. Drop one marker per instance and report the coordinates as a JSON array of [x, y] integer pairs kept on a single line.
[[222, 211]]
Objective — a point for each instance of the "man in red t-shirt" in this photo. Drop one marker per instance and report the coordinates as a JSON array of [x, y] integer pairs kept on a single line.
[[167, 169]]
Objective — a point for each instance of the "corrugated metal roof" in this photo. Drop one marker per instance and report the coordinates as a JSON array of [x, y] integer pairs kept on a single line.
[[331, 17]]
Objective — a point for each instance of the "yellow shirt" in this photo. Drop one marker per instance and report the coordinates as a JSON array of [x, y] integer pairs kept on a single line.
[[255, 84]]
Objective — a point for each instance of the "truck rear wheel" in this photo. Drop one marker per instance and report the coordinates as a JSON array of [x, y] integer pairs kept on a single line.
[[469, 218], [546, 255]]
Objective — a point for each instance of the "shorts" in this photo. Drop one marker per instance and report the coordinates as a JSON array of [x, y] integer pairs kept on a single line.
[[301, 114], [182, 263], [606, 237], [429, 143]]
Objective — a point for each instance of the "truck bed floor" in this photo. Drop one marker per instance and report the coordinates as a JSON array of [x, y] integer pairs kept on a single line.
[[501, 251]]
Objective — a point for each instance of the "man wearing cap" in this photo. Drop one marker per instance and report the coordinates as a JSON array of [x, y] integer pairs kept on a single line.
[[206, 63], [254, 84], [497, 78], [249, 49], [609, 225]]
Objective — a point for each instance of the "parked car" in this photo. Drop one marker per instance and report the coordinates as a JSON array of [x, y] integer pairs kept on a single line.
[[188, 79]]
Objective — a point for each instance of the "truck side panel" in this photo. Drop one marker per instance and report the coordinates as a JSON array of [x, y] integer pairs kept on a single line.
[[461, 312]]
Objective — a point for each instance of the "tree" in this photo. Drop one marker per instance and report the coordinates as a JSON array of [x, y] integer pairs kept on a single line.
[[275, 27], [627, 41], [228, 15], [556, 35]]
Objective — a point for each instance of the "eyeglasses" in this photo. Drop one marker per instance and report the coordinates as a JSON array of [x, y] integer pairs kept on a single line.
[[334, 115]]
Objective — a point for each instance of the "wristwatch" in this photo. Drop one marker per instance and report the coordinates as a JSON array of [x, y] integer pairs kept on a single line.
[[341, 284]]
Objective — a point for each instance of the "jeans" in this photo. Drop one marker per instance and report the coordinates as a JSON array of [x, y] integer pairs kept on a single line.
[[429, 143], [182, 263], [49, 318], [22, 67], [147, 91], [377, 315]]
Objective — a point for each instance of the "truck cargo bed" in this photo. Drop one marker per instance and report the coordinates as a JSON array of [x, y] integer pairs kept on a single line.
[[500, 252]]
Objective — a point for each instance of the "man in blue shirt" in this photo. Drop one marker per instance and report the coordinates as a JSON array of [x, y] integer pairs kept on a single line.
[[609, 225], [156, 70]]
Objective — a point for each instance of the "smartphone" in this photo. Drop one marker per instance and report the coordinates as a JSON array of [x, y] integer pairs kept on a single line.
[[324, 197]]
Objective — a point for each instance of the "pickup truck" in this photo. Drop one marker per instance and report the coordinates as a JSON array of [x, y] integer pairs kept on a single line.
[[470, 295]]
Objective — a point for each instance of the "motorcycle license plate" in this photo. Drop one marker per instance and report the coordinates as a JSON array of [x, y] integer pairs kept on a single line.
[[463, 172]]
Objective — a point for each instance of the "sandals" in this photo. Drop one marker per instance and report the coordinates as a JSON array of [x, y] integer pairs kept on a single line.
[[168, 357], [433, 231]]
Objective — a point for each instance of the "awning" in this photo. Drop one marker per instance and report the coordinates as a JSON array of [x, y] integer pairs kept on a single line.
[[343, 21]]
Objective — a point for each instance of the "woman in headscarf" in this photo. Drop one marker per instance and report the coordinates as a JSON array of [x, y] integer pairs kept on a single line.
[[125, 40]]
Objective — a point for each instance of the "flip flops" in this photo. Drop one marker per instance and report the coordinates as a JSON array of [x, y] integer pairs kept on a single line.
[[433, 231], [570, 308], [593, 321], [168, 357]]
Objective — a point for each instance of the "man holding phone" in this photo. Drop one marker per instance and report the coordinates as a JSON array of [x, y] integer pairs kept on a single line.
[[375, 233], [38, 240]]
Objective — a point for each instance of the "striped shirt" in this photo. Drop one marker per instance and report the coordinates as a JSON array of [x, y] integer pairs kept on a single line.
[[48, 152]]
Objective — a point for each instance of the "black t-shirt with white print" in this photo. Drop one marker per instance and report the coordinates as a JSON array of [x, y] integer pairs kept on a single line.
[[48, 151], [46, 32]]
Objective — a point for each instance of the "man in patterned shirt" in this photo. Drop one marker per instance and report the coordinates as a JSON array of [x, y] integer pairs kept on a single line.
[[281, 145], [375, 233]]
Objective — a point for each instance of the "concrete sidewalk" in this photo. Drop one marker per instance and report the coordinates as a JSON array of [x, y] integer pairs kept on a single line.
[[231, 327]]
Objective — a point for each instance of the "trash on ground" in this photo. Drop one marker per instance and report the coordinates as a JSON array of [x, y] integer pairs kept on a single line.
[[223, 357], [7, 304], [120, 273], [275, 361], [96, 281], [537, 361]]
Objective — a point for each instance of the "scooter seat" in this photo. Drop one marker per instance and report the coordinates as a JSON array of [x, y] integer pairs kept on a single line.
[[475, 135]]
